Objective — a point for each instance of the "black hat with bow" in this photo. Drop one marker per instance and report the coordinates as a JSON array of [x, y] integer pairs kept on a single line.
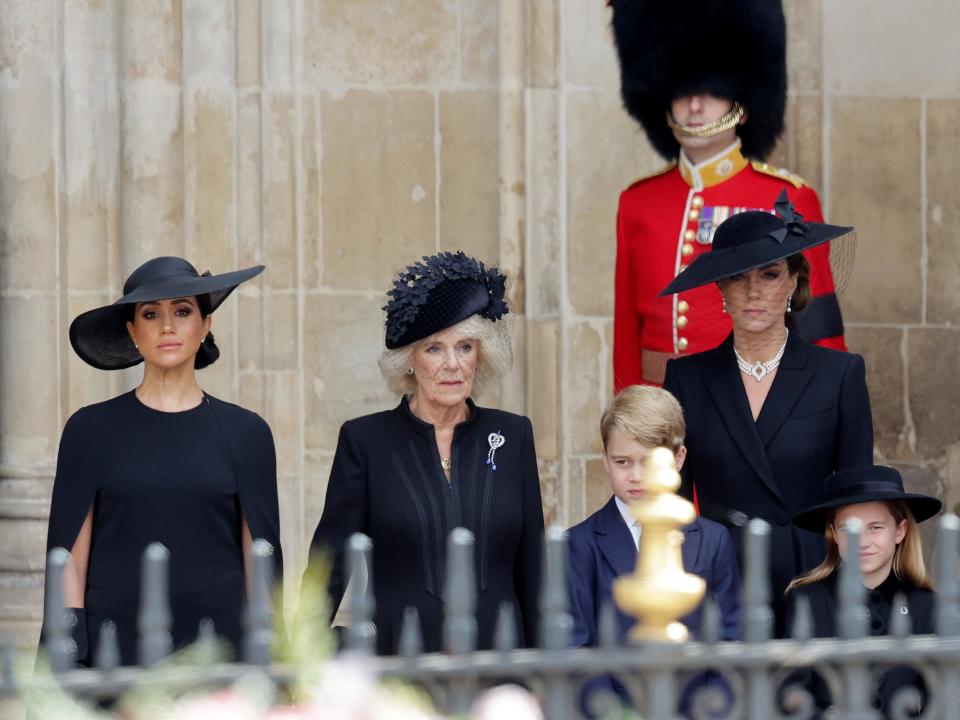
[[734, 49], [754, 239]]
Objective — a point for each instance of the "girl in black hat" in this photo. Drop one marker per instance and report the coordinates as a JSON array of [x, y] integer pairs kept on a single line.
[[890, 558], [407, 477], [767, 413], [165, 462]]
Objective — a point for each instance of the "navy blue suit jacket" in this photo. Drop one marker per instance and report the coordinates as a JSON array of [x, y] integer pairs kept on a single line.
[[601, 548]]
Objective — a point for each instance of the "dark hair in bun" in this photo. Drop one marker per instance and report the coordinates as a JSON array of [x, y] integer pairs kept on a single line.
[[208, 353]]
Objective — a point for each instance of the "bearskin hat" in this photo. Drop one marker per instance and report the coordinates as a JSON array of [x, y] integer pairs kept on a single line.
[[730, 48]]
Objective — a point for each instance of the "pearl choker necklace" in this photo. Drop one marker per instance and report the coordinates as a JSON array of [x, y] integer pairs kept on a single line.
[[759, 370]]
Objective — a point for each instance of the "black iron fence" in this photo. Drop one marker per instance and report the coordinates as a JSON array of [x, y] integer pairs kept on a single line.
[[749, 679]]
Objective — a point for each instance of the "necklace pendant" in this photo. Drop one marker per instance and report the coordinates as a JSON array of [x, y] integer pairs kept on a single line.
[[758, 371]]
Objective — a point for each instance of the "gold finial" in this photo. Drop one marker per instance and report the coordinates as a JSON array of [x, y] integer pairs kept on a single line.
[[659, 591]]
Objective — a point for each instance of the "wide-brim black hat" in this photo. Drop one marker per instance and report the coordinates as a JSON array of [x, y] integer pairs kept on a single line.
[[751, 240], [733, 49], [868, 483], [100, 336], [439, 292]]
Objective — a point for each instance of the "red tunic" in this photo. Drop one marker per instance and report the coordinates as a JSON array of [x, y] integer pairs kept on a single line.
[[667, 220]]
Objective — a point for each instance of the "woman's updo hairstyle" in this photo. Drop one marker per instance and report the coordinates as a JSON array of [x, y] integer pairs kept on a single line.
[[798, 265], [208, 353]]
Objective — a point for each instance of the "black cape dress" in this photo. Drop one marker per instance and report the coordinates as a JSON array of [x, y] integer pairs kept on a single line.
[[185, 479]]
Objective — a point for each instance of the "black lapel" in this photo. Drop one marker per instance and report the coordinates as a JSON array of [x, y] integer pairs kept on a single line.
[[791, 380], [726, 388], [692, 539], [615, 540]]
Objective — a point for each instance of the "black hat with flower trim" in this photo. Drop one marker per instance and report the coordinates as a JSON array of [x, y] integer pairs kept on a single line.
[[754, 239], [437, 293]]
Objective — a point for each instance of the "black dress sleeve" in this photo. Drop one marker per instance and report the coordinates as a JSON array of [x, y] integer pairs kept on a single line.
[[79, 464], [255, 464], [344, 513], [527, 570], [855, 442]]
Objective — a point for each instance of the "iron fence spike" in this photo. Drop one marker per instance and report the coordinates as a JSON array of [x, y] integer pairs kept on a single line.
[[555, 621], [361, 632], [757, 615], [852, 614], [947, 597], [61, 648], [505, 632], [607, 625], [411, 638], [460, 594], [207, 640], [108, 648], [206, 631], [258, 618], [802, 626], [710, 627], [155, 618]]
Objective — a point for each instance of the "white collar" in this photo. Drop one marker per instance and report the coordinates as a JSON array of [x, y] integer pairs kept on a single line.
[[626, 513]]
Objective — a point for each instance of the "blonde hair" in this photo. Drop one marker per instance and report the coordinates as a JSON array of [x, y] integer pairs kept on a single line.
[[649, 415], [908, 564], [496, 354]]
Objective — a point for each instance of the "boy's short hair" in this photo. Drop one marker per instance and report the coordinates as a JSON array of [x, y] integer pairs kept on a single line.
[[649, 415]]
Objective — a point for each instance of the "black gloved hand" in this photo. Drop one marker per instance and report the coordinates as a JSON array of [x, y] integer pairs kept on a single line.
[[77, 623]]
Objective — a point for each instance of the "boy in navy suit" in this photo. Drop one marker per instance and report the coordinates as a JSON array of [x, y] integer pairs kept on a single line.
[[605, 545]]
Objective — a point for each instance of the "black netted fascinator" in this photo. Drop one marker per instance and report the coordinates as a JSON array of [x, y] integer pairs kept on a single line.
[[439, 292]]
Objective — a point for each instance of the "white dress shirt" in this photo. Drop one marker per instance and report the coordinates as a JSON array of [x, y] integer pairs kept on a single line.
[[632, 525]]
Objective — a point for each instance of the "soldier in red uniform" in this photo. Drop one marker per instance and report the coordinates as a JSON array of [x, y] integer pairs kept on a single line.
[[707, 81]]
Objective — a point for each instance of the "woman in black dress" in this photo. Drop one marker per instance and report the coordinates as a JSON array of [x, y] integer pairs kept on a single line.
[[165, 462], [890, 558], [407, 477], [768, 414]]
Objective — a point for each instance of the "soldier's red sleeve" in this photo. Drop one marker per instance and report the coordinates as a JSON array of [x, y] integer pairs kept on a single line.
[[627, 322], [820, 322]]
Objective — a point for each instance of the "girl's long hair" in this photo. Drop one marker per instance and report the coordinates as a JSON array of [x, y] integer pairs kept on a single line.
[[908, 563]]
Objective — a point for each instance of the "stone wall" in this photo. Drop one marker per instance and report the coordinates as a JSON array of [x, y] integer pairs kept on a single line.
[[335, 141]]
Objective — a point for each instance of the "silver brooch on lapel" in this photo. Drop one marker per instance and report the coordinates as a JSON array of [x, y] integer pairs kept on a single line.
[[495, 440]]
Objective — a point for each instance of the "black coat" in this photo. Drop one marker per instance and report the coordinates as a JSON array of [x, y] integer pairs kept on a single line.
[[824, 603], [387, 482], [815, 419]]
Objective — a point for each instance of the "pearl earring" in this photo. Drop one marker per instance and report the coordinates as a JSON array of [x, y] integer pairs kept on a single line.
[[409, 371], [724, 308], [789, 303]]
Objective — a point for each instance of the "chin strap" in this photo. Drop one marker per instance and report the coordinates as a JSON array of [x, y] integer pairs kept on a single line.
[[731, 119]]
